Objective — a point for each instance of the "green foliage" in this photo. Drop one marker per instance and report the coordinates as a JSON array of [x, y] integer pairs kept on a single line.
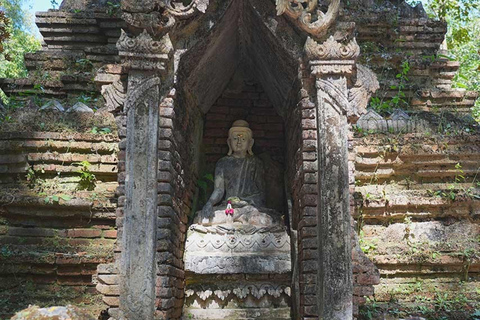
[[97, 130], [476, 315], [83, 65], [465, 50], [113, 8], [456, 189], [367, 247], [463, 40], [20, 41], [399, 100], [56, 198], [4, 33], [87, 178], [458, 10], [370, 309], [5, 251], [54, 4]]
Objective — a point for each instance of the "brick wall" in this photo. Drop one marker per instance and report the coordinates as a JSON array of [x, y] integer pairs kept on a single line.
[[177, 178], [50, 247], [388, 38], [75, 45], [244, 100], [418, 219]]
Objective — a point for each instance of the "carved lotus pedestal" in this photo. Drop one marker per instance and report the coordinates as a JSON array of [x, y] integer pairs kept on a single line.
[[241, 272]]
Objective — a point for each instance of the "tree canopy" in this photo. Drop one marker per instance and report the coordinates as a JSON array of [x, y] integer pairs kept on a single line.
[[18, 26], [463, 39]]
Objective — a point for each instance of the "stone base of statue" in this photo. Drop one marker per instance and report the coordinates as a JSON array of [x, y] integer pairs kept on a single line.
[[243, 214], [237, 271]]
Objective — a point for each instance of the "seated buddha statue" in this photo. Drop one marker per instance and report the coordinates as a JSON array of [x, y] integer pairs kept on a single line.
[[238, 197]]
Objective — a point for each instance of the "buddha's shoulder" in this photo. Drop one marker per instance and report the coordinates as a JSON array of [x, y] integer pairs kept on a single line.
[[222, 162]]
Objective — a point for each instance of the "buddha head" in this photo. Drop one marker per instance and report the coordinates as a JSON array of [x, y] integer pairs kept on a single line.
[[240, 140]]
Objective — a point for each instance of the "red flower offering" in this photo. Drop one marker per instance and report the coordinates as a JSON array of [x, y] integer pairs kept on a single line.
[[229, 210]]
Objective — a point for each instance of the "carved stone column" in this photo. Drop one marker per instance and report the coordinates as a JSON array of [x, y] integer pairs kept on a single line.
[[333, 64], [150, 76], [342, 91], [147, 62]]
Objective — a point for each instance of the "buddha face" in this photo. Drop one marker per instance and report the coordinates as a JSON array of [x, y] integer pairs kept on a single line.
[[240, 141]]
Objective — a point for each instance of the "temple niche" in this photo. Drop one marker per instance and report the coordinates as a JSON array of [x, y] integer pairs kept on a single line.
[[237, 251]]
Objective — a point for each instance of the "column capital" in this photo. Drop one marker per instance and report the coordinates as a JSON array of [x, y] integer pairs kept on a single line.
[[334, 65], [144, 53], [332, 57]]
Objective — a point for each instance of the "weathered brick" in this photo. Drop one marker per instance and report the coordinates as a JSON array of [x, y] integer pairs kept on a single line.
[[111, 301], [108, 290], [309, 124], [35, 232], [108, 278], [167, 112], [84, 233], [110, 234]]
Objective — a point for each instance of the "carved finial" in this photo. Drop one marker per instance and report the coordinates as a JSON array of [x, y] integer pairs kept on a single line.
[[301, 11]]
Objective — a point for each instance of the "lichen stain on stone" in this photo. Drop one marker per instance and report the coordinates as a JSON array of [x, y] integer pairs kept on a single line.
[[52, 313]]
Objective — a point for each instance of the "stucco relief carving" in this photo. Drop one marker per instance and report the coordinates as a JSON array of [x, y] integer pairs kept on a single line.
[[331, 49], [241, 291], [237, 242], [158, 16], [144, 53], [115, 95], [332, 61], [142, 92], [365, 85], [308, 16]]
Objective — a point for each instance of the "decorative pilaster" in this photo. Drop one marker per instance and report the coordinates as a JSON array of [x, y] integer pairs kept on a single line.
[[148, 58], [343, 89], [147, 62], [334, 275]]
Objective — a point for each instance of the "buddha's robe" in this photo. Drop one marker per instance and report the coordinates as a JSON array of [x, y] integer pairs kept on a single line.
[[243, 178]]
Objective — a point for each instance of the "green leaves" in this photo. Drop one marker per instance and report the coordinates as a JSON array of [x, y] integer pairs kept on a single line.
[[96, 130], [54, 4], [399, 99], [56, 198], [20, 41], [113, 8], [88, 180]]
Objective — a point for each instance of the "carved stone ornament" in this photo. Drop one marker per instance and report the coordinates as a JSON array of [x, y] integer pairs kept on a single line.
[[181, 11], [365, 85], [214, 253], [241, 291], [144, 53], [331, 49], [332, 61], [304, 11], [141, 92], [160, 15], [350, 101], [115, 95]]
